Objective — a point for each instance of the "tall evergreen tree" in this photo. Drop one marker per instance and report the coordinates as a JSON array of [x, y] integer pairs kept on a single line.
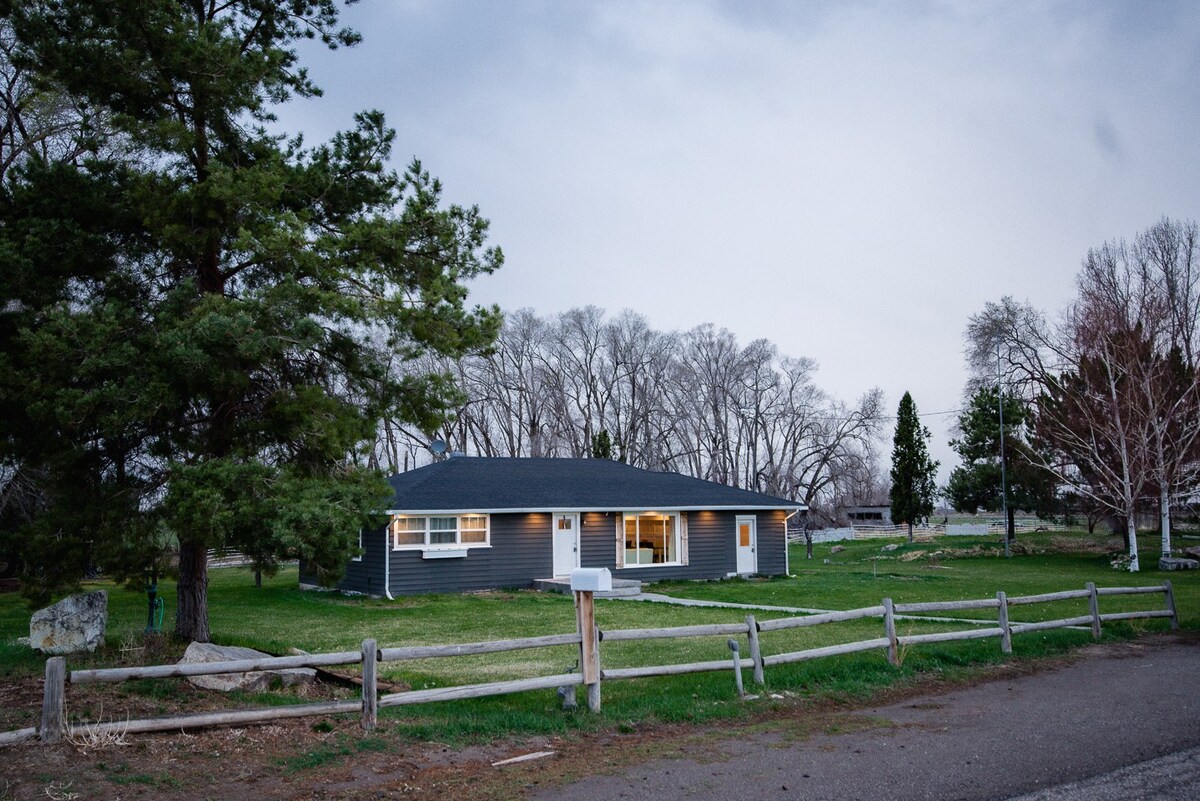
[[976, 483], [913, 472], [195, 337], [602, 446]]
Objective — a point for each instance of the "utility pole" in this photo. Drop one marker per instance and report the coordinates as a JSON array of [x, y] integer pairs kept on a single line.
[[1003, 478]]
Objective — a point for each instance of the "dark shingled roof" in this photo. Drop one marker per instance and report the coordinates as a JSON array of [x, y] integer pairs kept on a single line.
[[479, 484]]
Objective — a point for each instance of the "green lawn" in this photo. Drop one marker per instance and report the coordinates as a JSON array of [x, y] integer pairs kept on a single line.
[[278, 617], [968, 567]]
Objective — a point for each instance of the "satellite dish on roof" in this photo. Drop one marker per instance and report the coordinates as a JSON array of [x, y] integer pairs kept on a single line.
[[438, 447]]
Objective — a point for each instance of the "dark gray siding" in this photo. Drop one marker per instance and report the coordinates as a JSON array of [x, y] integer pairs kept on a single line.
[[711, 546], [521, 552], [772, 549], [365, 575]]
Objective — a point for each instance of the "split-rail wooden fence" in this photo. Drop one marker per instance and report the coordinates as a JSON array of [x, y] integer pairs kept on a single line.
[[588, 639]]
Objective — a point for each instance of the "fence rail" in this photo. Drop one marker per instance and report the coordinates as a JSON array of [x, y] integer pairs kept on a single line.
[[587, 639]]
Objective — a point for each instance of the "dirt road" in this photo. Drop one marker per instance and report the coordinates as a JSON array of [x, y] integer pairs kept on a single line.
[[1115, 706]]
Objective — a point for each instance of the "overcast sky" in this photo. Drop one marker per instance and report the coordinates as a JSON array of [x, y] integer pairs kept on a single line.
[[848, 180]]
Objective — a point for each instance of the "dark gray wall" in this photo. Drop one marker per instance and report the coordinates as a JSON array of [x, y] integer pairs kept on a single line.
[[711, 546], [365, 576], [522, 551], [772, 543]]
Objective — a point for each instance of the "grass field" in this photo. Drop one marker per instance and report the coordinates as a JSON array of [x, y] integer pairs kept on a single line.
[[278, 617]]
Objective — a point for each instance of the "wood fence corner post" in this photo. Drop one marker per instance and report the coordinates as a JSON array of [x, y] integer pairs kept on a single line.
[[755, 649], [889, 631], [1094, 608], [1170, 593], [589, 646], [737, 668], [52, 727], [1002, 617], [370, 685]]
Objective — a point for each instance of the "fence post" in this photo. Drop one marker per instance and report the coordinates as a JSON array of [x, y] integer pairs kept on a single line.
[[52, 701], [1170, 591], [589, 646], [370, 694], [1094, 608], [1005, 629], [755, 648], [737, 667], [889, 631]]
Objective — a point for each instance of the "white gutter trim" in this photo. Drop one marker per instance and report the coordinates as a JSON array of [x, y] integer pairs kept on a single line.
[[387, 563], [787, 565], [575, 510]]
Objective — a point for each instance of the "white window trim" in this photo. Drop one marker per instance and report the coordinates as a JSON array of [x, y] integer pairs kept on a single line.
[[456, 546], [680, 540], [360, 548]]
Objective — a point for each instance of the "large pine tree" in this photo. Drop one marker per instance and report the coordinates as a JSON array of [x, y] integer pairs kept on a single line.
[[197, 334], [913, 472]]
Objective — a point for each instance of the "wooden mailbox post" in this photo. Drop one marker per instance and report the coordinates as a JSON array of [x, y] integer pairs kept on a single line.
[[585, 582]]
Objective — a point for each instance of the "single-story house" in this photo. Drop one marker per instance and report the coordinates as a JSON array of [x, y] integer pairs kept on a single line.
[[472, 523]]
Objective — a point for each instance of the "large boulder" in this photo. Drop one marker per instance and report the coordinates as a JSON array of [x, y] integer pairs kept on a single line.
[[71, 626], [1175, 563], [228, 682]]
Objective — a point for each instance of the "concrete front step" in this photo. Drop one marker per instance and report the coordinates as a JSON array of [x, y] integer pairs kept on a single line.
[[621, 588]]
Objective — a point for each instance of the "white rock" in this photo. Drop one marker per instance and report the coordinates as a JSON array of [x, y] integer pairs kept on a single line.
[[227, 682], [73, 625]]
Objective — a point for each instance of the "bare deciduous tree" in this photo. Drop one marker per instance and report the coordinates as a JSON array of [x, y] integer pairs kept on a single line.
[[696, 403], [1114, 380]]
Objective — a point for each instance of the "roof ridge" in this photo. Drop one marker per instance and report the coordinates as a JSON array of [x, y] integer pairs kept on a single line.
[[498, 482]]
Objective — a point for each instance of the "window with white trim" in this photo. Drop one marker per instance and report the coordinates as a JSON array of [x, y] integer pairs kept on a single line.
[[359, 557], [652, 538], [434, 531]]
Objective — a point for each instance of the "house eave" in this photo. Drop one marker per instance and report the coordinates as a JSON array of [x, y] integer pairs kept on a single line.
[[580, 509]]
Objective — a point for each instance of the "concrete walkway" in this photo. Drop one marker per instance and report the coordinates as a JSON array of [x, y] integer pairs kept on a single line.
[[658, 598]]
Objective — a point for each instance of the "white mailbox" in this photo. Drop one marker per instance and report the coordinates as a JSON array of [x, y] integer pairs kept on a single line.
[[591, 579]]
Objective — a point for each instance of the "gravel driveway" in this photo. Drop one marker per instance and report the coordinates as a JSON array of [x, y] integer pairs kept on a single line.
[[1112, 708]]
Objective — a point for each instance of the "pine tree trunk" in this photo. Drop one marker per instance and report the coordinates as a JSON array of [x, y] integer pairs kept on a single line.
[[191, 612], [910, 534], [1010, 525]]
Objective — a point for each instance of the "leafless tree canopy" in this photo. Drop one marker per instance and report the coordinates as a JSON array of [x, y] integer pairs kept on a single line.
[[37, 121], [698, 403], [1113, 380]]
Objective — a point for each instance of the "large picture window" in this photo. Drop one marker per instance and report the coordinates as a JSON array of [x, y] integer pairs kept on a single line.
[[434, 531], [651, 538]]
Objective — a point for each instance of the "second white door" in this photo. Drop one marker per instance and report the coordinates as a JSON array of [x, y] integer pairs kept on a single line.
[[746, 532]]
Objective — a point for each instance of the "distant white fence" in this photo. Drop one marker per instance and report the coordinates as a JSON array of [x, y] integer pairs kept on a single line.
[[823, 535], [227, 558], [866, 532]]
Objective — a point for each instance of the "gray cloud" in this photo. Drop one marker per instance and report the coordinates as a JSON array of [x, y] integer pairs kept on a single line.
[[850, 181]]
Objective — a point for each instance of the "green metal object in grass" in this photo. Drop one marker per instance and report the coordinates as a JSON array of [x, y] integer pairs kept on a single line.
[[156, 609]]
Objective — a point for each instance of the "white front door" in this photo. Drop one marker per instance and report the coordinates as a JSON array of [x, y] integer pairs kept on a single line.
[[746, 532], [566, 543]]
